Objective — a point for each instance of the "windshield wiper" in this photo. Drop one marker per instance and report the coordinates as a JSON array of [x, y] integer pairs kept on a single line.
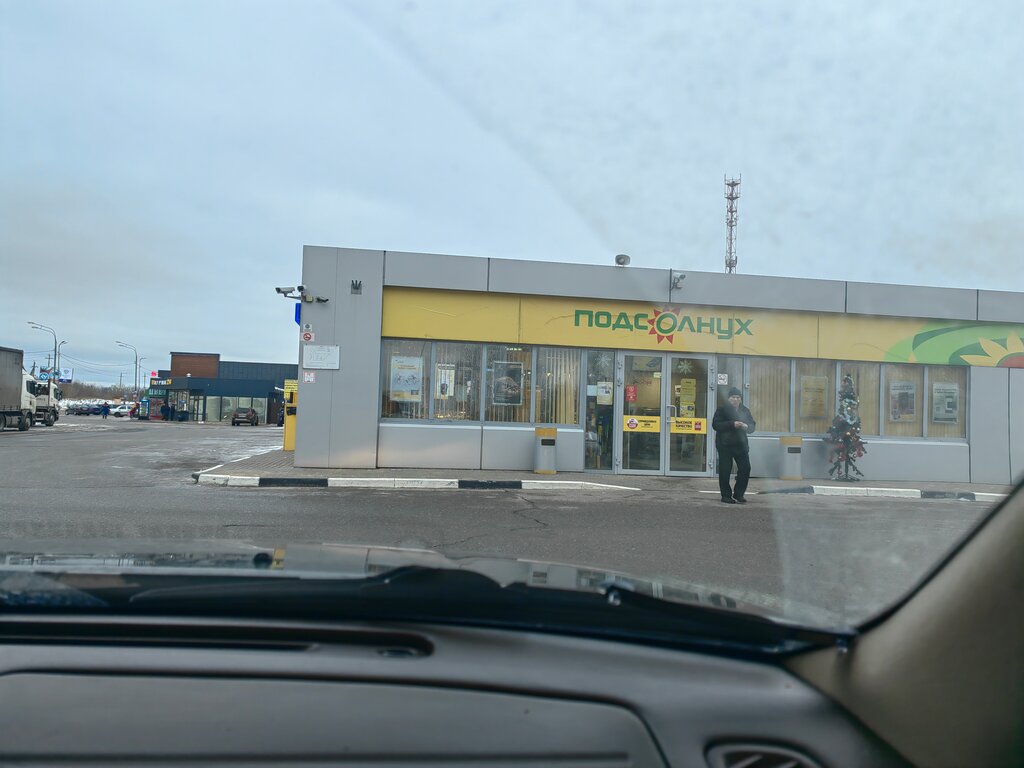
[[424, 594]]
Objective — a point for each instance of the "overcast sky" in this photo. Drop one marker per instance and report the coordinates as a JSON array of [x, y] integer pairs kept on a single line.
[[162, 164]]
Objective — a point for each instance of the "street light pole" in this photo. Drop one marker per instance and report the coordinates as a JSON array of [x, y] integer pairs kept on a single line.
[[56, 366], [41, 327], [129, 346]]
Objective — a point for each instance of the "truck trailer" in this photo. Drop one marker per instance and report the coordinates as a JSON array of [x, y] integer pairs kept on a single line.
[[17, 391]]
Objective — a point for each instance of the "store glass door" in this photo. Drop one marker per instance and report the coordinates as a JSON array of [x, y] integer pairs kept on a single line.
[[642, 401], [688, 391], [663, 405]]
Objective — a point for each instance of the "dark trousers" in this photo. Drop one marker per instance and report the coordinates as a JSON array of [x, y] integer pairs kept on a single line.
[[726, 456]]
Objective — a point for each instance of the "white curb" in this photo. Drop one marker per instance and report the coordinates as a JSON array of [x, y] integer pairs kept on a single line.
[[575, 485], [989, 496], [831, 490], [232, 480], [390, 482]]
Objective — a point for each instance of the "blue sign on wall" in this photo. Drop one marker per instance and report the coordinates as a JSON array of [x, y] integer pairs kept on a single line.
[[298, 313]]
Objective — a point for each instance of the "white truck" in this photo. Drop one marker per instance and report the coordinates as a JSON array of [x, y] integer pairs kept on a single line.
[[48, 397], [17, 391]]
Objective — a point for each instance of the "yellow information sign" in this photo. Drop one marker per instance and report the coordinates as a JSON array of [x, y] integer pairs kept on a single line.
[[641, 423], [688, 426], [687, 390]]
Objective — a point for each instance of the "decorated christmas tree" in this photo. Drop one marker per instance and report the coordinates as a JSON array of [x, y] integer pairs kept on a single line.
[[844, 434]]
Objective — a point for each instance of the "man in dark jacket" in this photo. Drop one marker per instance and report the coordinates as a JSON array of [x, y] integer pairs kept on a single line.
[[732, 423]]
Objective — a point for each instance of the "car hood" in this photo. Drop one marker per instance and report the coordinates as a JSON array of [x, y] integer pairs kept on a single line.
[[341, 560]]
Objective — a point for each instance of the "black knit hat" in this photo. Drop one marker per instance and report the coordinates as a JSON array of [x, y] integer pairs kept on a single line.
[[735, 392]]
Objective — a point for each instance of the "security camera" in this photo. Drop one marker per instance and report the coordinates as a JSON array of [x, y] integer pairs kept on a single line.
[[622, 260], [301, 288], [284, 290]]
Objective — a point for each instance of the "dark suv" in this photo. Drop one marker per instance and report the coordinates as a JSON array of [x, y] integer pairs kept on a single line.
[[244, 416]]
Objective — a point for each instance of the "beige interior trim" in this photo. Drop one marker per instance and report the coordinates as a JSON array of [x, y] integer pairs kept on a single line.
[[942, 679]]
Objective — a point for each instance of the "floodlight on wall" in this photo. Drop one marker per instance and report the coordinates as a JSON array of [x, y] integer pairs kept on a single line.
[[622, 260], [676, 280]]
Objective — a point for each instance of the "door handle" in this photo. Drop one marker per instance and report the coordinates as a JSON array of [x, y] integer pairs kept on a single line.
[[675, 409]]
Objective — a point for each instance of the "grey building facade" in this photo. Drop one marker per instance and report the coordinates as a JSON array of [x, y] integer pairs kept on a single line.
[[428, 360]]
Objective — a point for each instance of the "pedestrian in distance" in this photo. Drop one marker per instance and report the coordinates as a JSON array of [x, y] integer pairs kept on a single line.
[[105, 410], [165, 412], [732, 422]]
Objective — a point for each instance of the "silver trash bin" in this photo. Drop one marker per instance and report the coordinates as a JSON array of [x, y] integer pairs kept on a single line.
[[544, 450], [791, 464]]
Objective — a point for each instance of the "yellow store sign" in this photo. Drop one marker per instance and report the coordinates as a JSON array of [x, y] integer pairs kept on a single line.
[[420, 313], [688, 426], [641, 423]]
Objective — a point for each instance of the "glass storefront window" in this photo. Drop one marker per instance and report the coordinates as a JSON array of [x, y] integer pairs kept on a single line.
[[600, 416], [228, 405], [405, 379], [865, 384], [259, 404], [770, 393], [815, 395], [213, 408], [509, 383], [947, 397], [558, 385], [904, 400], [457, 381]]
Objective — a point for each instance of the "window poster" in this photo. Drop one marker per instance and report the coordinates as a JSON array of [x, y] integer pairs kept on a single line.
[[945, 402], [406, 379], [444, 381], [506, 383], [604, 393], [812, 397], [686, 390], [902, 401]]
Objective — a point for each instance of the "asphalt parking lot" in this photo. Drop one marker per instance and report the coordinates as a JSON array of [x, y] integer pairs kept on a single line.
[[93, 479]]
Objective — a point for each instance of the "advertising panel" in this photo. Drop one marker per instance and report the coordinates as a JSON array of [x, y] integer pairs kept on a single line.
[[506, 383], [406, 385], [812, 397], [902, 401], [945, 402]]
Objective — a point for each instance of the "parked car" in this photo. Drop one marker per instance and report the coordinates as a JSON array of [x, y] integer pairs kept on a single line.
[[96, 409], [244, 416], [124, 409], [79, 409]]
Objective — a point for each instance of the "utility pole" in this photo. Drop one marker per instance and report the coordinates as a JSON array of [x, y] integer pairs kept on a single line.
[[135, 394], [732, 194]]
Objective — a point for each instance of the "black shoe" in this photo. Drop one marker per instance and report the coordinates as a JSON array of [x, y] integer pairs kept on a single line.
[[739, 499], [727, 500]]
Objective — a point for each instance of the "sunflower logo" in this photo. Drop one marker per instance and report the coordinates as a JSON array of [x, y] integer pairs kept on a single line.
[[663, 324], [1007, 355]]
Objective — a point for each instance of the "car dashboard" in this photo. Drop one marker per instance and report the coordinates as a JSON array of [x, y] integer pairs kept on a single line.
[[201, 691]]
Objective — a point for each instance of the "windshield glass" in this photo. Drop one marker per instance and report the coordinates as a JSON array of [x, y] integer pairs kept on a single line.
[[720, 303]]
